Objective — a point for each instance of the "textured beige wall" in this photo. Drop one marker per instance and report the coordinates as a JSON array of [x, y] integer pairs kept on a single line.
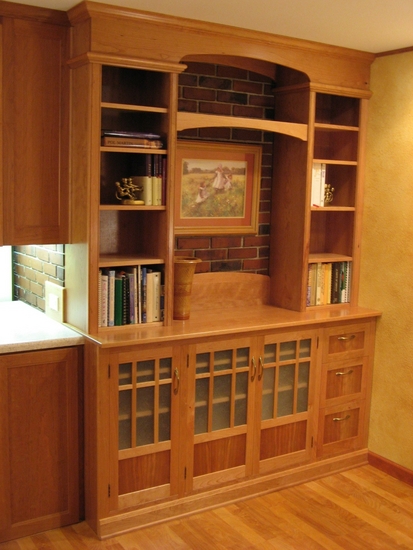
[[387, 254]]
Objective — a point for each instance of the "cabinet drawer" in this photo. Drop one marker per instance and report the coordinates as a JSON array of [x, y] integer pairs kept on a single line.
[[341, 428], [343, 381], [344, 342]]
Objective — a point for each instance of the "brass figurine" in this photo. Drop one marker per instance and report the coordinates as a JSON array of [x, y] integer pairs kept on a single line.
[[128, 193], [328, 194]]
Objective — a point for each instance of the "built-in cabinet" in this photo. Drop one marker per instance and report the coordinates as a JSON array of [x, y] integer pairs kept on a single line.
[[35, 124], [40, 440], [189, 419], [257, 389]]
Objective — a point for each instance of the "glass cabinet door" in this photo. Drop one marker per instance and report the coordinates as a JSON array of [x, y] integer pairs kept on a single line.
[[148, 384], [285, 372], [221, 394]]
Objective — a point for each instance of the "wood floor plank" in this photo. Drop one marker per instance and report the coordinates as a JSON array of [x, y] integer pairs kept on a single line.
[[359, 509]]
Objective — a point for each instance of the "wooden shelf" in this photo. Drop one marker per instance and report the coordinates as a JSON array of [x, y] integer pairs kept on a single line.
[[328, 258], [113, 207], [128, 107], [118, 260], [186, 121], [134, 150]]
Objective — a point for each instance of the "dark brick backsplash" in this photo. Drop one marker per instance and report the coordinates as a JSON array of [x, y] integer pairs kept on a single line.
[[34, 265], [239, 93]]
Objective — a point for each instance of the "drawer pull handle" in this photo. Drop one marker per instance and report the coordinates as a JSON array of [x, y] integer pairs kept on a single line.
[[344, 373], [351, 337], [254, 369], [341, 419]]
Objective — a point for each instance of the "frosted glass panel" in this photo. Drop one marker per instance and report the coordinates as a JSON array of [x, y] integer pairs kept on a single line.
[[303, 379], [125, 374], [288, 351], [144, 416], [222, 360], [305, 348], [270, 351], [165, 368], [202, 363], [221, 403], [165, 412], [201, 405], [145, 371], [243, 358], [268, 393], [285, 404], [125, 419], [241, 399]]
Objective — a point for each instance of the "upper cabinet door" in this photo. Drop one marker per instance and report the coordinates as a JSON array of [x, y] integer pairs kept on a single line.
[[35, 125]]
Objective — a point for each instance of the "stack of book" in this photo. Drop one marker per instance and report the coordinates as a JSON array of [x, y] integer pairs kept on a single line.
[[118, 138], [328, 283], [129, 296]]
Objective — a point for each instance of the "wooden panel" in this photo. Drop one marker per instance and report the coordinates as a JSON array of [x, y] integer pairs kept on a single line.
[[143, 472], [35, 141], [282, 440], [40, 465], [130, 33], [220, 454]]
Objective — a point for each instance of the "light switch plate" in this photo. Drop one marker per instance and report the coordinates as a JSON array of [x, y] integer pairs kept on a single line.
[[55, 301]]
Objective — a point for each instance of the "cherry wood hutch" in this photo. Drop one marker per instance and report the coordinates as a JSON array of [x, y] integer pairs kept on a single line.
[[257, 390]]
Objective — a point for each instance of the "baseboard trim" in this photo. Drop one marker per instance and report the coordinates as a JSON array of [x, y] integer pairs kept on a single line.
[[391, 468], [123, 522]]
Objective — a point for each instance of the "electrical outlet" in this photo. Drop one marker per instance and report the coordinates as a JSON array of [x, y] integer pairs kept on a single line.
[[54, 298]]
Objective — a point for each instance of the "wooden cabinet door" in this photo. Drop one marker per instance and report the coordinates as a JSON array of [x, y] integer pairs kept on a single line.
[[220, 408], [35, 139], [39, 442], [148, 388], [285, 395]]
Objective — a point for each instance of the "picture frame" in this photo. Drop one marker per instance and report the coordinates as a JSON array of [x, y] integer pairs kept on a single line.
[[217, 188]]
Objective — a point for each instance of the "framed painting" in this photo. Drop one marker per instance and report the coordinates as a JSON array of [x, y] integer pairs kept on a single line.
[[217, 188]]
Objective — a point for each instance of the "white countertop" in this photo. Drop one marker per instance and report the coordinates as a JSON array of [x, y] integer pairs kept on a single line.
[[24, 328]]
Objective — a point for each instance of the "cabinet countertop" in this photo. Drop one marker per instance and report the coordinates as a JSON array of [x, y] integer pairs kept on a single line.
[[24, 328]]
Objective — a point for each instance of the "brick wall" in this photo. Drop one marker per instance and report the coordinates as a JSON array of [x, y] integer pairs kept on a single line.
[[220, 90], [32, 266]]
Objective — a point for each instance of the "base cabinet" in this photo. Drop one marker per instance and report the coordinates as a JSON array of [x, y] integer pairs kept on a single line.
[[194, 419], [39, 437]]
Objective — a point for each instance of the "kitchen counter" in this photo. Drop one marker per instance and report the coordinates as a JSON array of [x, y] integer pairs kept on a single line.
[[24, 328]]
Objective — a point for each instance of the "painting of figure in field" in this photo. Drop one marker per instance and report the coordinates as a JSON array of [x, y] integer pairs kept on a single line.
[[213, 188]]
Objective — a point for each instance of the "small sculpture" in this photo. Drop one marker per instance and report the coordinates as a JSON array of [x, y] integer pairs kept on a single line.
[[128, 193], [328, 194]]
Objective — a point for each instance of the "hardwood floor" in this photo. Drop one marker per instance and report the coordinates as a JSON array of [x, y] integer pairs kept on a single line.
[[363, 508]]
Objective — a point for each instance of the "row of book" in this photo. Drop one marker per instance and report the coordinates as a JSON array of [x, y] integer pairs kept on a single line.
[[152, 180], [318, 184], [130, 295], [328, 283]]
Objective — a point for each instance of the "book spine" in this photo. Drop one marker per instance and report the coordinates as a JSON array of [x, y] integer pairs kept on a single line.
[[104, 301], [143, 294], [316, 184], [149, 296], [322, 183], [156, 296], [118, 300], [111, 294]]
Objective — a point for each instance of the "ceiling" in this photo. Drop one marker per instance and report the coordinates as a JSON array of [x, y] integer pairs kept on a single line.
[[369, 25]]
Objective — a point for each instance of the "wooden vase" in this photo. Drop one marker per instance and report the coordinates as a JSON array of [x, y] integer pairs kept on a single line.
[[184, 269]]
